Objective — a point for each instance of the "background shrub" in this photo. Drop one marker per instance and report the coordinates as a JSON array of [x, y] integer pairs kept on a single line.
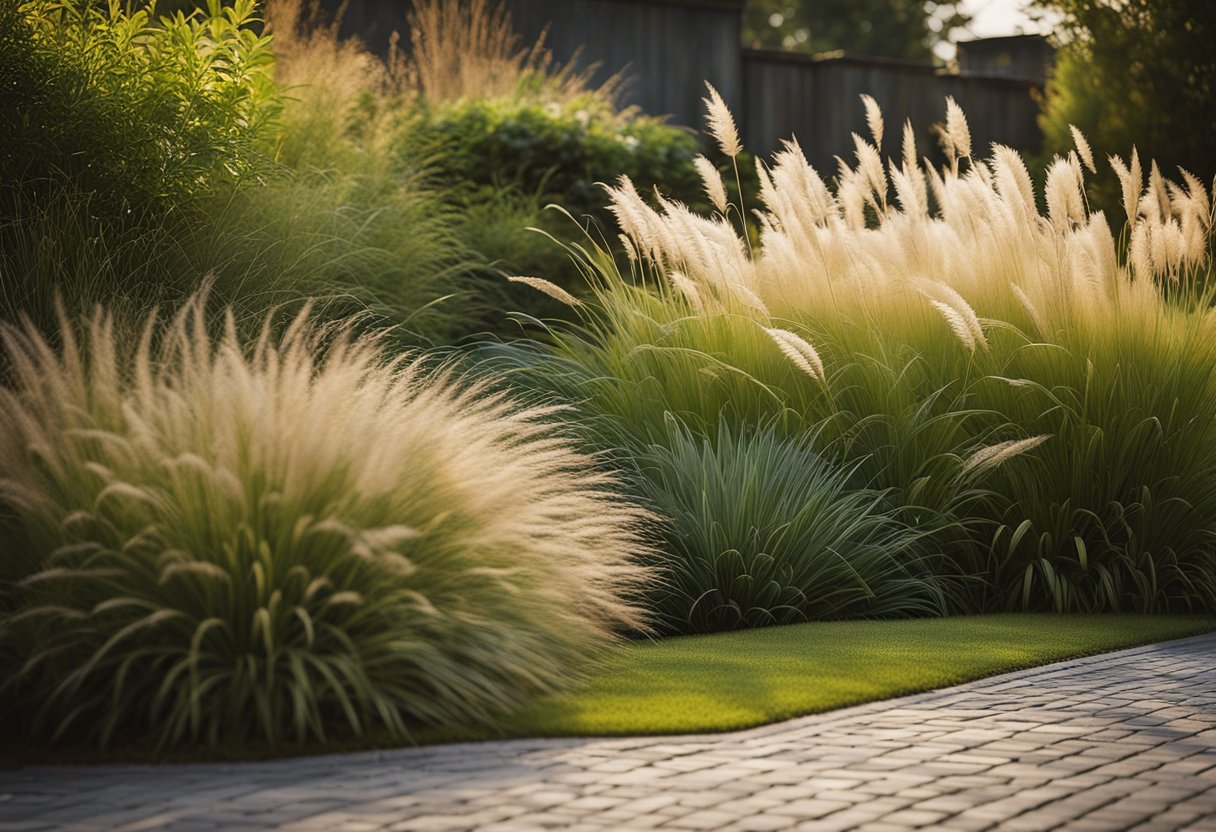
[[132, 111], [201, 152], [1134, 73], [562, 150], [211, 539]]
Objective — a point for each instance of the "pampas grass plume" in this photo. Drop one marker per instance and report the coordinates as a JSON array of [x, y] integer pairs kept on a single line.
[[799, 351], [722, 123], [547, 287], [715, 189]]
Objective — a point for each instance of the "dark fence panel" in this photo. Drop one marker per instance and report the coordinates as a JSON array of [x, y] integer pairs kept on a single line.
[[818, 101], [667, 50]]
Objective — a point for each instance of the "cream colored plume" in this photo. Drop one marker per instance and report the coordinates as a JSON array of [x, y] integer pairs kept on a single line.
[[1087, 155], [957, 312], [549, 288], [957, 130], [721, 123], [715, 189], [797, 350], [873, 119], [988, 458]]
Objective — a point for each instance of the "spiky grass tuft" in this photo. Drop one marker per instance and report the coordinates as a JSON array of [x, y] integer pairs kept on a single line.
[[207, 539]]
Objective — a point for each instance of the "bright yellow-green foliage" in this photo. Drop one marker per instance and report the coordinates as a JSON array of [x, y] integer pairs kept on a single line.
[[728, 681]]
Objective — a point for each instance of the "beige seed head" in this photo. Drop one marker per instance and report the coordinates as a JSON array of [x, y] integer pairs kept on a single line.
[[988, 458], [956, 128], [721, 123], [873, 119], [715, 189], [549, 288], [797, 350], [1087, 155], [957, 324]]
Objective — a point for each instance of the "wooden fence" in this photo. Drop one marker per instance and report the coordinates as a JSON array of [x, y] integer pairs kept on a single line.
[[669, 48], [818, 101]]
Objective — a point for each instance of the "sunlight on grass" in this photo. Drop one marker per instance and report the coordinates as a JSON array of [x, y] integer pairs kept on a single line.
[[736, 680]]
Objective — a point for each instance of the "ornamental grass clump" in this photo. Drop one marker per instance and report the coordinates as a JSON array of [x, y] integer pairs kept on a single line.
[[763, 530], [1034, 392], [211, 540]]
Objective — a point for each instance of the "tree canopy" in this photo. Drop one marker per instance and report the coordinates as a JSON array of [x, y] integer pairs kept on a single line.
[[1139, 72], [888, 28]]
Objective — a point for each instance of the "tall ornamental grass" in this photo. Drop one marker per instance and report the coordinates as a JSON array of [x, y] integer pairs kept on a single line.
[[1033, 392], [206, 539]]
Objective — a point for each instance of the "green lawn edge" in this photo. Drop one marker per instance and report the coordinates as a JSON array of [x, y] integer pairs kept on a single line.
[[733, 681]]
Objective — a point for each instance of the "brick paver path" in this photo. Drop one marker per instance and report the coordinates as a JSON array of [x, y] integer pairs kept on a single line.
[[1121, 741]]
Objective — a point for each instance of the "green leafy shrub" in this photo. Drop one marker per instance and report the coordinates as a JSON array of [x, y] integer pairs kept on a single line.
[[506, 159], [121, 125], [562, 150], [214, 539], [1137, 73], [334, 216], [130, 110]]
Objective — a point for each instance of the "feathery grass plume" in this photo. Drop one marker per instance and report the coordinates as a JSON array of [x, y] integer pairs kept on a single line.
[[547, 287], [689, 290], [957, 130], [715, 188], [1159, 197], [799, 351], [944, 294], [1065, 203], [749, 298], [1131, 182], [207, 539], [1199, 197], [1140, 252], [1087, 155], [869, 163], [1032, 312], [958, 324], [992, 456], [1012, 180], [310, 53], [873, 119], [721, 123], [912, 172], [908, 147]]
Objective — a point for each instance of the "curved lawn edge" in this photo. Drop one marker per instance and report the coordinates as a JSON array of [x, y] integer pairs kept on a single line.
[[746, 679]]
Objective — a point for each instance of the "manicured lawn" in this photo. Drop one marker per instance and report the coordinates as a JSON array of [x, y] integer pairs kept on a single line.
[[742, 679], [729, 681]]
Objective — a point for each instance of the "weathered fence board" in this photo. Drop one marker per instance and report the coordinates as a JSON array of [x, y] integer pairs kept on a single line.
[[667, 50], [818, 102]]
